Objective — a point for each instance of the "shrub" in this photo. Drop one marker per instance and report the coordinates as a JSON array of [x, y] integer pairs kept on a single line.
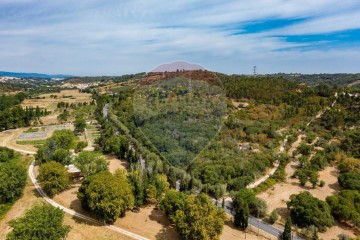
[[53, 178], [40, 222]]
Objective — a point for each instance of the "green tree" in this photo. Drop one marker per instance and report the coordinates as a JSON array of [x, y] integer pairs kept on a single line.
[[314, 178], [199, 219], [172, 202], [12, 181], [64, 139], [350, 180], [107, 195], [241, 213], [40, 222], [81, 145], [138, 185], [274, 216], [80, 125], [305, 149], [345, 205], [306, 210], [53, 178], [90, 163], [287, 230], [61, 156]]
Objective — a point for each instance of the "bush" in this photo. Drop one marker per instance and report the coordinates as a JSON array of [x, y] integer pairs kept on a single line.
[[274, 216], [12, 181], [81, 145], [322, 183], [6, 154], [62, 156], [40, 222], [350, 180], [53, 178]]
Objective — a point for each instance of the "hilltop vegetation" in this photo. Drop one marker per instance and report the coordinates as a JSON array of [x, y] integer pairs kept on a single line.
[[179, 116]]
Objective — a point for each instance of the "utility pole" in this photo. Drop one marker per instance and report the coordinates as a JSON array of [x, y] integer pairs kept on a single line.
[[254, 71]]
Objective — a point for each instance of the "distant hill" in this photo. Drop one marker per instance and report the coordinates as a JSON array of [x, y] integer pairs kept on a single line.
[[33, 75], [173, 67], [339, 79]]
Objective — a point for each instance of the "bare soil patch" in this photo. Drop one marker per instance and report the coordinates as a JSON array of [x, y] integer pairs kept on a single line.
[[8, 139], [116, 163], [45, 101], [277, 197], [231, 232]]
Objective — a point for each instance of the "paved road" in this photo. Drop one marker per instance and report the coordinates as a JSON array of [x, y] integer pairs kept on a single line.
[[75, 214], [258, 223]]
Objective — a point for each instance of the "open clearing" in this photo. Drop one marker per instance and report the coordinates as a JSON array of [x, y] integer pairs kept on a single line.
[[10, 138], [45, 101], [277, 196], [50, 103]]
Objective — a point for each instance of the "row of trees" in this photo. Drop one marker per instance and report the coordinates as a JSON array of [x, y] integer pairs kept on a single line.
[[16, 116], [73, 105]]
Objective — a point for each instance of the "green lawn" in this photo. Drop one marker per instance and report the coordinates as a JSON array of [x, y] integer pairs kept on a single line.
[[31, 142]]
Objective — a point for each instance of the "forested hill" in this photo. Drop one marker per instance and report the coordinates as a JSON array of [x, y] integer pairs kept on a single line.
[[340, 79], [264, 89]]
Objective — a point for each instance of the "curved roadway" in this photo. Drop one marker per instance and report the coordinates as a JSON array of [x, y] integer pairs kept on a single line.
[[75, 214]]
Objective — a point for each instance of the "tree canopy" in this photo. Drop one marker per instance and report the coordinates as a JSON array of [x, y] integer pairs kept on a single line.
[[12, 181], [107, 195], [90, 163], [40, 222], [345, 206], [195, 217], [306, 210], [53, 178]]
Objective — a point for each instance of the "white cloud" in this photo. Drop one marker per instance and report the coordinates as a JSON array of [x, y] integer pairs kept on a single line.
[[112, 37]]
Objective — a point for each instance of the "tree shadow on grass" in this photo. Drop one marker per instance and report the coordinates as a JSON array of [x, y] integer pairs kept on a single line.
[[76, 206], [283, 212], [168, 230], [36, 193]]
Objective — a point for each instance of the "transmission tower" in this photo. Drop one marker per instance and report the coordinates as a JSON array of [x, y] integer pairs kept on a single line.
[[254, 71]]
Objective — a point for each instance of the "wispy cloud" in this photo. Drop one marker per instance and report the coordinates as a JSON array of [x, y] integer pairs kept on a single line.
[[115, 37]]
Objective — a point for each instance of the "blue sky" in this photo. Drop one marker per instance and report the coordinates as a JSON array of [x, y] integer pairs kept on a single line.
[[87, 37]]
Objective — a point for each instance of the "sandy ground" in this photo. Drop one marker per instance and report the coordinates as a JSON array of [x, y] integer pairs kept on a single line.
[[149, 222], [50, 119], [51, 103], [295, 144], [8, 139], [230, 232], [277, 196], [115, 163]]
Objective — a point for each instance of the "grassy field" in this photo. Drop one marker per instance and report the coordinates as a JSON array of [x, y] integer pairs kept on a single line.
[[31, 130], [31, 142], [50, 103]]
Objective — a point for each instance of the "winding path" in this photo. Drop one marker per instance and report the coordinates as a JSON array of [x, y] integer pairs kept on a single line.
[[75, 214]]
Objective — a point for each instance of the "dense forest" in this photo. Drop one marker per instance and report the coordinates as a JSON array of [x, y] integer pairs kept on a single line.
[[179, 116], [340, 79]]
